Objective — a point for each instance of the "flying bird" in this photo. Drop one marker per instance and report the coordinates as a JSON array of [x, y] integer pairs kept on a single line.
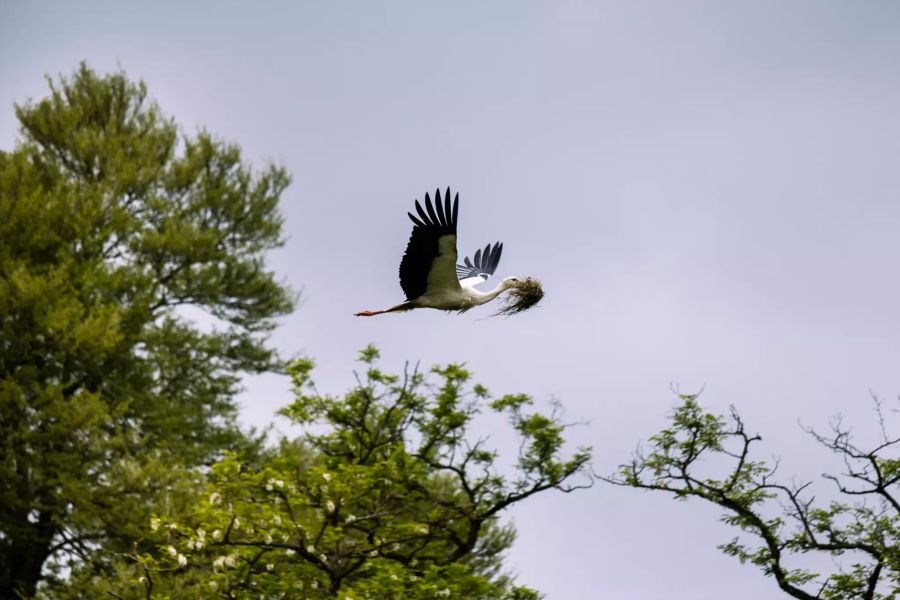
[[429, 274]]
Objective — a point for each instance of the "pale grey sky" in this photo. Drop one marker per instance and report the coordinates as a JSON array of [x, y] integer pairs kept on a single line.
[[709, 191]]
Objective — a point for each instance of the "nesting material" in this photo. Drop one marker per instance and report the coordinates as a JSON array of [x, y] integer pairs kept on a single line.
[[521, 297]]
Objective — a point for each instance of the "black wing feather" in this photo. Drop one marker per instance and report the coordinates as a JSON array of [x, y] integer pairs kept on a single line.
[[430, 209], [415, 220], [455, 205], [421, 212], [423, 245], [495, 256], [448, 209], [441, 212]]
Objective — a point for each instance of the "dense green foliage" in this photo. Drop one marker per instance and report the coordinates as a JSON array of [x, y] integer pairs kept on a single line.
[[112, 224], [384, 497], [785, 520], [133, 296]]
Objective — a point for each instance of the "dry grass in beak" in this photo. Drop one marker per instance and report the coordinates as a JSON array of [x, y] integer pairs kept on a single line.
[[521, 297]]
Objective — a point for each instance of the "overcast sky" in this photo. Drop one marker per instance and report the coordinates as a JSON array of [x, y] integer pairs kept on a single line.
[[709, 192]]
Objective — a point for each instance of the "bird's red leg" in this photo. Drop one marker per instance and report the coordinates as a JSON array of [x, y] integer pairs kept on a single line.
[[399, 308]]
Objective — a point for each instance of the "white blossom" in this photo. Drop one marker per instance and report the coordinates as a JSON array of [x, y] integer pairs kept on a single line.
[[154, 523], [230, 560], [326, 476], [279, 483], [276, 519], [290, 552], [349, 518], [268, 487], [217, 534], [219, 562], [215, 498], [268, 538], [237, 524], [330, 506], [171, 550], [444, 593], [182, 560], [270, 567], [213, 585], [314, 584]]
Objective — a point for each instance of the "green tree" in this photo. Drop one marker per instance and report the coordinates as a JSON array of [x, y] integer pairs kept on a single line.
[[386, 496], [859, 530], [118, 231]]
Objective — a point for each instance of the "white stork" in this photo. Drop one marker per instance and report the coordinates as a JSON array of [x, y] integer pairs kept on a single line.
[[429, 274]]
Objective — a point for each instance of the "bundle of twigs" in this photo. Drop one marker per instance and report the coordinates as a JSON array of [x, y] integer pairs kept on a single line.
[[521, 297]]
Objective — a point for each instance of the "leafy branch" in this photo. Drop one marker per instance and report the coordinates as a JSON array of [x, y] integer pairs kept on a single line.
[[865, 530]]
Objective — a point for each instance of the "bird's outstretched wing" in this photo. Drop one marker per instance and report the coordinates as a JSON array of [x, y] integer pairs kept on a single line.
[[483, 263], [428, 264]]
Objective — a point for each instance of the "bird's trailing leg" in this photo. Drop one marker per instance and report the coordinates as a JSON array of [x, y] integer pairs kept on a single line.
[[400, 307]]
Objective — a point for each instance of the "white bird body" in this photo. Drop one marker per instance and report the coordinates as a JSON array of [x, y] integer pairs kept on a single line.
[[464, 298], [429, 273]]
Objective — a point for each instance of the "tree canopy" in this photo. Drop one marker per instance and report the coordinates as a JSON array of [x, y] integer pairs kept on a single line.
[[385, 496], [714, 458], [114, 223]]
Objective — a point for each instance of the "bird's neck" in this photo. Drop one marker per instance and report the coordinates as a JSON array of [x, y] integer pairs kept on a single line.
[[483, 297]]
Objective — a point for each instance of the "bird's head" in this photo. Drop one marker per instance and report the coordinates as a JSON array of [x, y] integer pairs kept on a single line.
[[511, 282]]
